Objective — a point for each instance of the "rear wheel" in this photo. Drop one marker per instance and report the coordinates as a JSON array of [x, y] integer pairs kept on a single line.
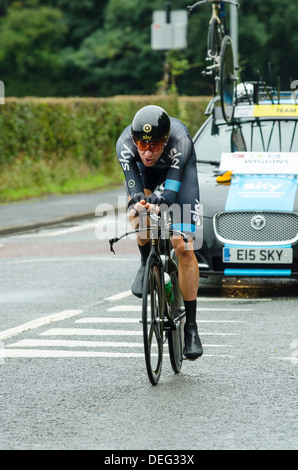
[[227, 79], [214, 42], [176, 336], [152, 319], [214, 39]]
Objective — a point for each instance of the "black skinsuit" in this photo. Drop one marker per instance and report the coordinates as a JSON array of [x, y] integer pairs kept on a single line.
[[176, 168]]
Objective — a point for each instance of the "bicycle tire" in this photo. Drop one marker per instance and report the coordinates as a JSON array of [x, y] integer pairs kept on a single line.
[[227, 79], [152, 319], [176, 336], [214, 39]]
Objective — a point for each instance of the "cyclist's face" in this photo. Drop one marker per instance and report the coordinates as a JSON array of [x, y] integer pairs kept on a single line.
[[150, 157], [150, 152]]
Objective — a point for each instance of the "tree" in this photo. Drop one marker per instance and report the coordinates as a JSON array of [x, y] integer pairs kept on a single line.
[[29, 55], [117, 58], [103, 47]]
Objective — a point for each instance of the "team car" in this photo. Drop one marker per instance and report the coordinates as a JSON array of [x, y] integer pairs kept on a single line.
[[248, 175]]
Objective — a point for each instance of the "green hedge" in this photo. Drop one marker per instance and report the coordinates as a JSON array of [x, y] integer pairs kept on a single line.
[[64, 145]]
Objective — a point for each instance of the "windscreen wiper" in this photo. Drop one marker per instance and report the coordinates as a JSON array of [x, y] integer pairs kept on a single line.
[[209, 162]]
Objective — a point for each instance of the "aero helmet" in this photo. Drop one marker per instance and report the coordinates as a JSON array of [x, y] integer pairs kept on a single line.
[[150, 124]]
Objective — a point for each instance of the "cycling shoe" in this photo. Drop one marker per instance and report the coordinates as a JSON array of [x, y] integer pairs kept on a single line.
[[193, 347], [137, 287]]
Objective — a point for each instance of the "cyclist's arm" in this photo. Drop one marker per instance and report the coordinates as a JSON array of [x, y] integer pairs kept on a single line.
[[180, 154], [126, 155]]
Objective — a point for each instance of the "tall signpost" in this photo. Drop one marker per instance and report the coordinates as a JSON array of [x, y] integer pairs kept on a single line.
[[168, 32], [234, 31]]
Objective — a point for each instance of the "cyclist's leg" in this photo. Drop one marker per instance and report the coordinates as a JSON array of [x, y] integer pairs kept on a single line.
[[188, 269], [150, 181], [144, 249]]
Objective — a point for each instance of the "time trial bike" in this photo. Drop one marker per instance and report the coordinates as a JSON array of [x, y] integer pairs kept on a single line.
[[163, 313]]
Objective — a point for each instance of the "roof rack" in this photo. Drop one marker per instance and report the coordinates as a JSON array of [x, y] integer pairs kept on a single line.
[[257, 92]]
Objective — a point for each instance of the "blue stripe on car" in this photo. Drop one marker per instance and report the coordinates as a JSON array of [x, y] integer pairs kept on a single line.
[[258, 272]]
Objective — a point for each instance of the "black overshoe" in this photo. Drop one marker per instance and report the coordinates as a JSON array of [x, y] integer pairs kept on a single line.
[[137, 287], [193, 346]]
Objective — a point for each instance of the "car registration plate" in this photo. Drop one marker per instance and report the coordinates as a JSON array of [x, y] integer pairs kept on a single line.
[[258, 255]]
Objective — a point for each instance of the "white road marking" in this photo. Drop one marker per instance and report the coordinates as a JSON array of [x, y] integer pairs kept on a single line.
[[137, 320], [43, 353], [107, 320], [70, 343], [56, 233], [89, 332], [98, 332], [63, 259], [38, 322], [36, 348], [119, 296], [231, 299], [31, 353], [107, 221], [127, 293], [294, 360], [138, 308]]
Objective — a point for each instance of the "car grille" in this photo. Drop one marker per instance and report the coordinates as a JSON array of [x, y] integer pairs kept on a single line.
[[237, 227]]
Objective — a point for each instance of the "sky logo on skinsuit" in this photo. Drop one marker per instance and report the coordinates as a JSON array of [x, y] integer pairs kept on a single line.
[[173, 157], [125, 156]]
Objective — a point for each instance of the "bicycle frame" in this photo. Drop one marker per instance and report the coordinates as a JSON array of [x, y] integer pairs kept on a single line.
[[158, 232], [159, 314]]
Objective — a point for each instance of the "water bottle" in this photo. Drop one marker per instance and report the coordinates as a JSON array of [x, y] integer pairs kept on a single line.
[[168, 287]]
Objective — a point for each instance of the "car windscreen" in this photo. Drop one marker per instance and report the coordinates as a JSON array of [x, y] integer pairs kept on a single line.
[[251, 136]]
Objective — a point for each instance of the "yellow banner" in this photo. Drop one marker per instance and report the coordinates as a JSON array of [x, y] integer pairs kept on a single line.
[[275, 110]]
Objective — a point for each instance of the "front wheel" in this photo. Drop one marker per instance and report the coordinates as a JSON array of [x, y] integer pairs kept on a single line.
[[152, 319]]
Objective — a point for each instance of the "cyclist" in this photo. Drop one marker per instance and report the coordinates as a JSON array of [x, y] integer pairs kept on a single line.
[[158, 149]]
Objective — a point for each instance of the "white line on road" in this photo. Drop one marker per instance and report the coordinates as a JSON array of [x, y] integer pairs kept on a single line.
[[38, 322], [97, 332], [294, 360], [138, 308], [43, 353], [71, 343], [108, 320], [68, 259], [137, 320], [120, 295], [56, 233], [127, 293], [30, 353]]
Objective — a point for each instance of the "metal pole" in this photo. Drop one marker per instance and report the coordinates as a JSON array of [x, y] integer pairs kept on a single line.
[[234, 31], [168, 8]]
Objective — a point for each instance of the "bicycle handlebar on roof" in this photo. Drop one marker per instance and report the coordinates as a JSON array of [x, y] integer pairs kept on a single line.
[[190, 8]]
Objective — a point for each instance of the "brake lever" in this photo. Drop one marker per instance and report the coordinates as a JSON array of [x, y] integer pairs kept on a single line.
[[112, 241]]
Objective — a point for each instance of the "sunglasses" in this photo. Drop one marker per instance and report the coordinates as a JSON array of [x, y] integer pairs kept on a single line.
[[155, 146]]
